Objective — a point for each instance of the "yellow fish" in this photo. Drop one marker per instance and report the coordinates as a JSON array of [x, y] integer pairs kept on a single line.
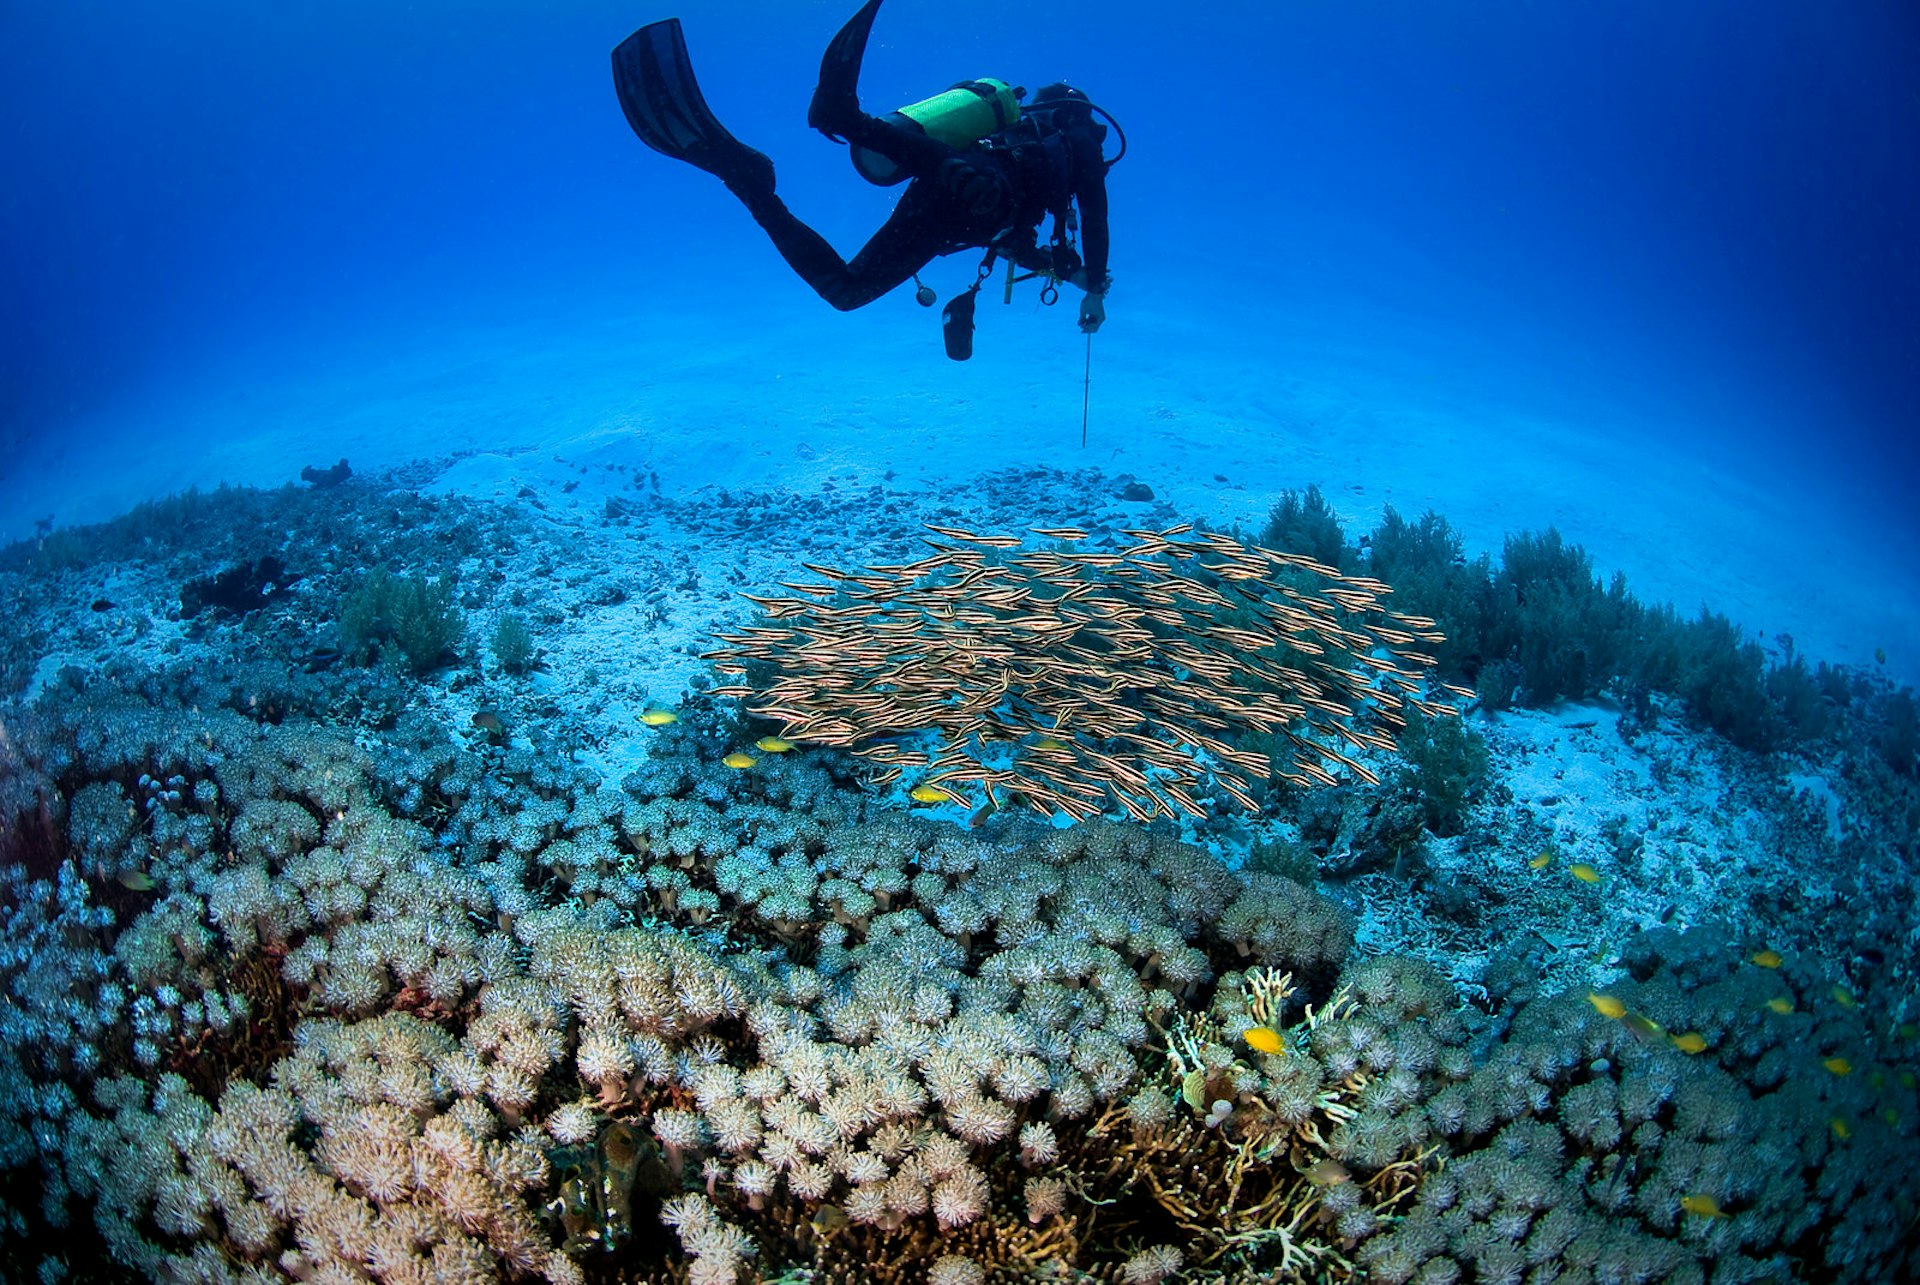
[[1907, 1031], [1263, 1039], [1780, 1004], [1691, 1042], [1838, 1065], [739, 761], [1607, 1005], [1584, 872], [931, 794], [1844, 997], [1051, 743], [1542, 861], [1891, 1116], [1906, 1079], [1841, 1130], [774, 744], [136, 881], [1703, 1204], [1766, 958], [658, 717]]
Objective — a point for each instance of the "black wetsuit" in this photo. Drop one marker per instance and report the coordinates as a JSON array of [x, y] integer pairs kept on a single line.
[[993, 193]]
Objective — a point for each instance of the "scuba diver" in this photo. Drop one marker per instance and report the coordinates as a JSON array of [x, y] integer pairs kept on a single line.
[[984, 170]]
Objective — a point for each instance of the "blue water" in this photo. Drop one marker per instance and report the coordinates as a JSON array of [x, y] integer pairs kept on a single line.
[[1695, 218]]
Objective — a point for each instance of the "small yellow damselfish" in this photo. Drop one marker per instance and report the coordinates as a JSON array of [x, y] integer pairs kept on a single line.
[[1691, 1042], [1780, 1004], [1584, 872], [1838, 1065], [739, 761], [773, 744], [1263, 1039], [1607, 1005], [1542, 861], [658, 717], [1704, 1205], [931, 794], [1766, 958]]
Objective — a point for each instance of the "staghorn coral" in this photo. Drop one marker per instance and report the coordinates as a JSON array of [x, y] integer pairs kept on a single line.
[[1075, 680]]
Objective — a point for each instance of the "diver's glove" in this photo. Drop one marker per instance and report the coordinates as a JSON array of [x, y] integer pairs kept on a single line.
[[1093, 310]]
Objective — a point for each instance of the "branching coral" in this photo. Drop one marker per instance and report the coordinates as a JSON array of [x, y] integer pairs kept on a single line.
[[815, 1038]]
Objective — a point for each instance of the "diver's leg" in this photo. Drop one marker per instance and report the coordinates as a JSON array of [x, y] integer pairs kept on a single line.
[[835, 112], [835, 109], [653, 77], [913, 236], [901, 247], [836, 98], [919, 154]]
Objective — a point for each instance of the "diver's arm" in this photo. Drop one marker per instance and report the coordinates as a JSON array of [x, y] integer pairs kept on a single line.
[[1091, 170], [1091, 194]]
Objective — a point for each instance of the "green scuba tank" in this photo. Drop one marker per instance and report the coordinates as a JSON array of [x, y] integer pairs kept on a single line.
[[965, 114]]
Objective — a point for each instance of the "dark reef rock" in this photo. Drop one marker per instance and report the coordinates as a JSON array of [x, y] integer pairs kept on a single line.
[[238, 590], [323, 477]]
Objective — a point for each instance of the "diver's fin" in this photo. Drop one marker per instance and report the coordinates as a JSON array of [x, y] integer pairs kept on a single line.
[[836, 99], [654, 78]]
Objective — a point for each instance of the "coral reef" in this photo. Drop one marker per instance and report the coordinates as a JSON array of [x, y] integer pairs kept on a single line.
[[312, 976], [830, 1038]]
